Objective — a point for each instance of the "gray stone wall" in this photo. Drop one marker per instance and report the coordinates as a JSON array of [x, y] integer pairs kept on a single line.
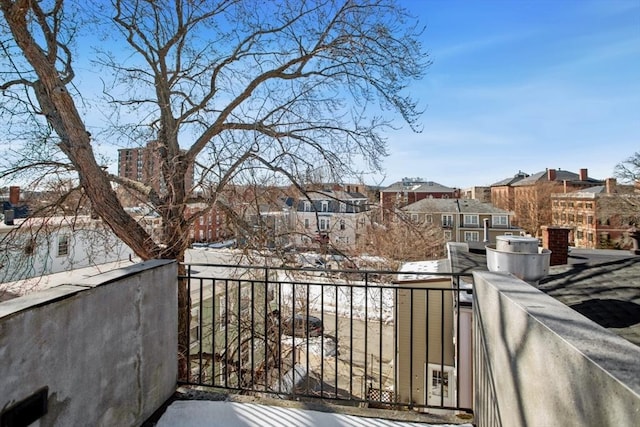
[[540, 363], [106, 347]]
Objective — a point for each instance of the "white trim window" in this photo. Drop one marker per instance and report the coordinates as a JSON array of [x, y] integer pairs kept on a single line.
[[428, 218], [447, 220], [471, 236], [415, 218], [307, 206], [324, 206], [324, 224], [471, 221], [500, 220], [343, 207], [307, 223], [447, 235]]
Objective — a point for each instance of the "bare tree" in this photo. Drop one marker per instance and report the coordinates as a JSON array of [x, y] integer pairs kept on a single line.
[[235, 88], [399, 239], [533, 205], [629, 169]]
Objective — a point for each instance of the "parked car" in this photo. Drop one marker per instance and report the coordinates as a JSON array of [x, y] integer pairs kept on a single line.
[[302, 325]]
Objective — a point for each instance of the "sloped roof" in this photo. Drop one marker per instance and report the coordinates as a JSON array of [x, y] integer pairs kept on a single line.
[[469, 206], [561, 175], [418, 187], [511, 180]]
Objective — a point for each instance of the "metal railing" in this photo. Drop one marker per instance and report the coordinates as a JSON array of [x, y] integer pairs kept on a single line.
[[350, 335]]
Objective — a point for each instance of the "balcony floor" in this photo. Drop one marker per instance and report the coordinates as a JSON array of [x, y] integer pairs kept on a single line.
[[196, 413]]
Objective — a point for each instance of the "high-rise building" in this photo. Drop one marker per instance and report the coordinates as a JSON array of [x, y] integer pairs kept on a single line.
[[143, 164]]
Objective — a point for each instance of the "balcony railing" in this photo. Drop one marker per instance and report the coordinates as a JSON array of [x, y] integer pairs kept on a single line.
[[348, 335]]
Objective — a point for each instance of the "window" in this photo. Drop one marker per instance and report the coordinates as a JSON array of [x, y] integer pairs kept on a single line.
[[447, 220], [572, 218], [306, 223], [570, 204], [579, 204], [447, 235], [588, 205], [471, 221], [563, 204], [579, 234], [563, 217], [590, 237], [342, 225], [580, 219], [414, 218], [325, 206], [428, 218], [500, 220], [63, 245], [471, 236], [589, 219], [307, 206], [324, 223], [343, 207], [440, 383]]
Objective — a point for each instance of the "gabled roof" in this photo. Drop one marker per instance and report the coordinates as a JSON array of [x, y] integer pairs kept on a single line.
[[561, 175], [418, 187], [468, 206], [512, 180]]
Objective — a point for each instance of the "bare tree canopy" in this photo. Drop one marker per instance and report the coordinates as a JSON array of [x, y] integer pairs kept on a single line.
[[629, 169], [228, 86], [234, 88]]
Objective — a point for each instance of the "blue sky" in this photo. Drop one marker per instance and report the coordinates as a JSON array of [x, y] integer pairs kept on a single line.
[[522, 85]]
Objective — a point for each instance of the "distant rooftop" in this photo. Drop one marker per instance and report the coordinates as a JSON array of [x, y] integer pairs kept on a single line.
[[418, 187], [511, 180], [469, 206], [561, 175]]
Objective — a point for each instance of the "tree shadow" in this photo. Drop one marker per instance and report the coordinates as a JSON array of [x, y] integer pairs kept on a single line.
[[609, 313]]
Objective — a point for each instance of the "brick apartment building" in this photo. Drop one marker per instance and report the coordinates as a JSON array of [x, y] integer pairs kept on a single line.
[[598, 217], [530, 197]]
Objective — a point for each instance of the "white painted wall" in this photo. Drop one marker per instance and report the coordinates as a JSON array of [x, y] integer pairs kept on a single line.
[[30, 248]]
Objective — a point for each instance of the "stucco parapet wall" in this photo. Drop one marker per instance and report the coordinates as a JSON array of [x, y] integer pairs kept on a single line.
[[554, 364], [60, 292], [102, 347]]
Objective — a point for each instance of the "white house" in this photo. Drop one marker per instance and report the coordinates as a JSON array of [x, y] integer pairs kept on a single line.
[[34, 247], [329, 216]]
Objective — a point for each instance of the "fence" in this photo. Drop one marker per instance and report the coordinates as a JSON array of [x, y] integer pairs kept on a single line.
[[358, 336]]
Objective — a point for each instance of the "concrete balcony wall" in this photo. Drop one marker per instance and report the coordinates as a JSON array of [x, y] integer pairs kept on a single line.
[[540, 363], [106, 347]]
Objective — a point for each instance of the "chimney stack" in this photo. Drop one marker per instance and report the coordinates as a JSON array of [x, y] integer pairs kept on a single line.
[[14, 195], [610, 185], [556, 239], [551, 174], [584, 174]]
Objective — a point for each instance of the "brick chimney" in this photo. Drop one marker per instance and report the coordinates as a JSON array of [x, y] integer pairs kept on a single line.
[[551, 174], [556, 239], [584, 174], [610, 185], [14, 195]]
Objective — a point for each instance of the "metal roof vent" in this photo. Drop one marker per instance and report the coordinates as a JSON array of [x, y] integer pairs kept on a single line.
[[519, 256]]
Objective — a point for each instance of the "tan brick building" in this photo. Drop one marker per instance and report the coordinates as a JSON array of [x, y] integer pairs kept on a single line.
[[598, 217], [530, 197]]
